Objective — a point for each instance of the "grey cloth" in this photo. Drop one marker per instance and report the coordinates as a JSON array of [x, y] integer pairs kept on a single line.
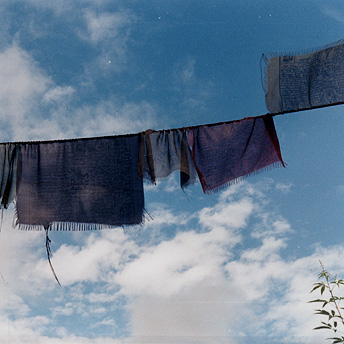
[[163, 152], [296, 82], [79, 184], [8, 173]]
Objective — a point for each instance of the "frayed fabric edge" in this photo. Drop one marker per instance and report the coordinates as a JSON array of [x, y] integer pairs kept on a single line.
[[242, 178], [270, 55], [75, 226], [69, 226], [266, 57], [62, 226], [49, 254]]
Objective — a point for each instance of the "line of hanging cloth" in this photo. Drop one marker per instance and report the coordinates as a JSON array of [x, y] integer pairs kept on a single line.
[[304, 80], [98, 182], [83, 184]]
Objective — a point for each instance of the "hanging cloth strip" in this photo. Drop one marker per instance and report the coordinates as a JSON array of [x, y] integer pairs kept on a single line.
[[163, 152], [79, 184], [8, 173], [225, 153], [300, 82]]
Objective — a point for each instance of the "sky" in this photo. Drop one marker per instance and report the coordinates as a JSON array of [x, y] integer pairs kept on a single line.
[[232, 267]]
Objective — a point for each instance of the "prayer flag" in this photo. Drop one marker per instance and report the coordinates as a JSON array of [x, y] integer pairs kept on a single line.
[[298, 82], [163, 152], [79, 184], [225, 153], [8, 173]]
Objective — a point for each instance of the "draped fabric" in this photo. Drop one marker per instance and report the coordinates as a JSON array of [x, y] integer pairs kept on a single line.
[[8, 173], [163, 152], [225, 153], [79, 184], [296, 82]]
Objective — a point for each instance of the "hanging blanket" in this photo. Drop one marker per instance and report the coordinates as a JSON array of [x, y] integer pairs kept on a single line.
[[307, 81], [163, 152], [224, 153], [8, 173], [79, 184]]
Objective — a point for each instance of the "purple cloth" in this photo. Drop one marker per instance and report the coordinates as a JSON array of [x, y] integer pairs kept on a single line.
[[79, 184], [224, 153]]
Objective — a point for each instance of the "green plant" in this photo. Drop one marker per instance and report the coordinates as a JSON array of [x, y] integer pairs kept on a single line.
[[330, 304]]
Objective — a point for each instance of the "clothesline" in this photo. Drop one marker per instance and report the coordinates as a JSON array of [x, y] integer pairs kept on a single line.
[[97, 182], [68, 184]]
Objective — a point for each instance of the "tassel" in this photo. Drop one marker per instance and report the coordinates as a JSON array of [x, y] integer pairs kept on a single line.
[[47, 246]]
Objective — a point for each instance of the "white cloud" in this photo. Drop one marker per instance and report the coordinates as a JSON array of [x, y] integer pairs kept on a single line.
[[171, 266], [201, 313], [58, 93], [193, 92], [22, 84], [106, 26], [189, 287], [284, 187], [109, 32], [110, 118], [93, 262], [269, 248], [231, 215]]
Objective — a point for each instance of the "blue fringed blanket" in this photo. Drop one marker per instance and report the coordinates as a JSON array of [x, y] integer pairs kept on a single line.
[[79, 184]]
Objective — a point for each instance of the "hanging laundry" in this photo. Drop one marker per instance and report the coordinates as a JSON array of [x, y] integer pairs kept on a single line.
[[225, 153], [79, 184], [8, 173], [297, 82], [163, 152]]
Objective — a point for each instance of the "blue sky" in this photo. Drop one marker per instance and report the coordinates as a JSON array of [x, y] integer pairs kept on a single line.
[[233, 267]]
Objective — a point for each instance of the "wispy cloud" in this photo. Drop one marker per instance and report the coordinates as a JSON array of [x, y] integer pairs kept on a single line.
[[106, 26], [190, 284], [284, 187], [193, 92], [109, 34], [23, 84], [334, 13], [34, 107]]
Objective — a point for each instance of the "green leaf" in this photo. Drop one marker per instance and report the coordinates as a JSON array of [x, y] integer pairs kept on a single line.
[[322, 327], [322, 290], [337, 340], [317, 285], [317, 300], [322, 312]]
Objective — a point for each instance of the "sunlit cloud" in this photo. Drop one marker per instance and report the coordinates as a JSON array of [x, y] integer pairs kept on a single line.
[[23, 84], [58, 94], [187, 285], [106, 26], [284, 187], [193, 92]]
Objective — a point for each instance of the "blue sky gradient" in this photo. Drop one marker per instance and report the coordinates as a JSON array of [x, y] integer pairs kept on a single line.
[[233, 267]]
